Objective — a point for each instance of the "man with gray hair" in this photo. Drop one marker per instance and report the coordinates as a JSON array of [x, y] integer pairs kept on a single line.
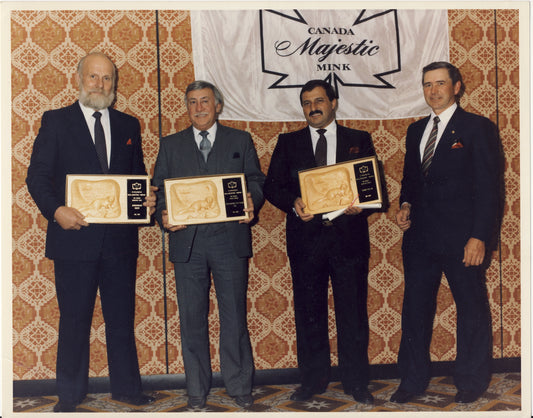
[[221, 249], [90, 137]]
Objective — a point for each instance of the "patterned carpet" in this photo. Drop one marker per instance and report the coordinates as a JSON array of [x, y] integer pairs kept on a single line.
[[504, 394]]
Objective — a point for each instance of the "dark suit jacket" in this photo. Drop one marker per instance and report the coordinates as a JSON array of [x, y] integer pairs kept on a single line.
[[458, 198], [294, 152], [233, 152], [64, 146]]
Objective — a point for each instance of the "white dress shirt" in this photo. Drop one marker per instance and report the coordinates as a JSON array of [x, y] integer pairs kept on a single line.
[[331, 140], [212, 135], [444, 118]]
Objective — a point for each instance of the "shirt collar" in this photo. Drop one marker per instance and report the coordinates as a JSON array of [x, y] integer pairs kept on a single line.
[[87, 111], [444, 116], [212, 133], [331, 129]]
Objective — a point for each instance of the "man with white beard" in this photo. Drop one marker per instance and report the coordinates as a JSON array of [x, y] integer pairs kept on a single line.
[[90, 137]]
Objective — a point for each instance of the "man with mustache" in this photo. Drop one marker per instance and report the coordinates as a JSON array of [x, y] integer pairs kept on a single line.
[[87, 257], [219, 249], [319, 249]]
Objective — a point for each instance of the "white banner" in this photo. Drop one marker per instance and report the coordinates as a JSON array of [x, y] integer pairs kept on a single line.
[[260, 59]]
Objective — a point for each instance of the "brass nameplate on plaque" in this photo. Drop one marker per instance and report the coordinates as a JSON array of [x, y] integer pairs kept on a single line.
[[109, 199], [329, 188], [206, 199]]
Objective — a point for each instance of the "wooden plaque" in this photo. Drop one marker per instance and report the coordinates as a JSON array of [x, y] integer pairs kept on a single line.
[[206, 199], [109, 199], [333, 187]]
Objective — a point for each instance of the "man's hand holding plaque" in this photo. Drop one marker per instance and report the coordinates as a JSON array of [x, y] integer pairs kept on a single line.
[[108, 199], [151, 199], [249, 210], [70, 218], [207, 199], [353, 210], [346, 187]]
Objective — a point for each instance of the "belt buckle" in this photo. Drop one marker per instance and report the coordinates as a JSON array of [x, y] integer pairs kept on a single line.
[[327, 222]]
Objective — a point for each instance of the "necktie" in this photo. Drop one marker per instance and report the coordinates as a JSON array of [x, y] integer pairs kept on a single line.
[[99, 142], [321, 150], [205, 144], [429, 150]]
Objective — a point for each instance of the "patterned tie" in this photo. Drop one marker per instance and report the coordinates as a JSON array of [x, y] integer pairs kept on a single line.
[[99, 142], [205, 144], [321, 150], [430, 147]]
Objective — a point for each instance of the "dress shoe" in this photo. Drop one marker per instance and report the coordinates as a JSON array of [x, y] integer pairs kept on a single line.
[[244, 401], [362, 395], [304, 393], [137, 400], [402, 396], [64, 407], [467, 396], [196, 402]]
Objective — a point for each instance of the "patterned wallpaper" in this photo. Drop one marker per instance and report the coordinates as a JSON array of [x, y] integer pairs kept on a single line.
[[45, 48]]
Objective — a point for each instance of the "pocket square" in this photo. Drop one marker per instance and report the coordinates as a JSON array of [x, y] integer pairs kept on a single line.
[[236, 155], [128, 142], [457, 144]]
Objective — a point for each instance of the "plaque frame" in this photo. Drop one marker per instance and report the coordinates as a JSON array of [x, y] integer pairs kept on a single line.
[[357, 182], [128, 192], [206, 199]]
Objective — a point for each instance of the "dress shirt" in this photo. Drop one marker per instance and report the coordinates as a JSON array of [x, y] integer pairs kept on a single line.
[[106, 124], [212, 135], [444, 117], [331, 139]]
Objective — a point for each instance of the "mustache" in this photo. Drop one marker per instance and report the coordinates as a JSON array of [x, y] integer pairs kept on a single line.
[[100, 100], [315, 112]]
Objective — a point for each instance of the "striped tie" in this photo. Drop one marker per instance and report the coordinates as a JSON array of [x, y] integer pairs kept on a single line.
[[430, 146]]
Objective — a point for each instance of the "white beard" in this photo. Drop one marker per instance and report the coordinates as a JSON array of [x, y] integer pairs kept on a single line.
[[96, 101]]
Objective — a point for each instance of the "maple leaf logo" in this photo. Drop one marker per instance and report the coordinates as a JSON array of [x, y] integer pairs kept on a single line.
[[347, 48]]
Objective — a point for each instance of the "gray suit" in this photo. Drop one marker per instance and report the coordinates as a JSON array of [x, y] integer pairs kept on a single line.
[[222, 249]]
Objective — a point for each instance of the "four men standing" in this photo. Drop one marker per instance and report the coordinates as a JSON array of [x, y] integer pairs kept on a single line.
[[448, 213]]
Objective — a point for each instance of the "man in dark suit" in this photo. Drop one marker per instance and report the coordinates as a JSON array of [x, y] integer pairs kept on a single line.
[[319, 249], [449, 210], [90, 257], [221, 249]]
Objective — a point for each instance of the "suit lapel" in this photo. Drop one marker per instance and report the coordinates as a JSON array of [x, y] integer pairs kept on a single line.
[[417, 135], [420, 131], [114, 140], [83, 134], [343, 145], [189, 148], [220, 147], [79, 125], [306, 151], [448, 135]]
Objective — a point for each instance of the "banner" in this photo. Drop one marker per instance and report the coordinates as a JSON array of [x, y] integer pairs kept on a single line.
[[260, 59]]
